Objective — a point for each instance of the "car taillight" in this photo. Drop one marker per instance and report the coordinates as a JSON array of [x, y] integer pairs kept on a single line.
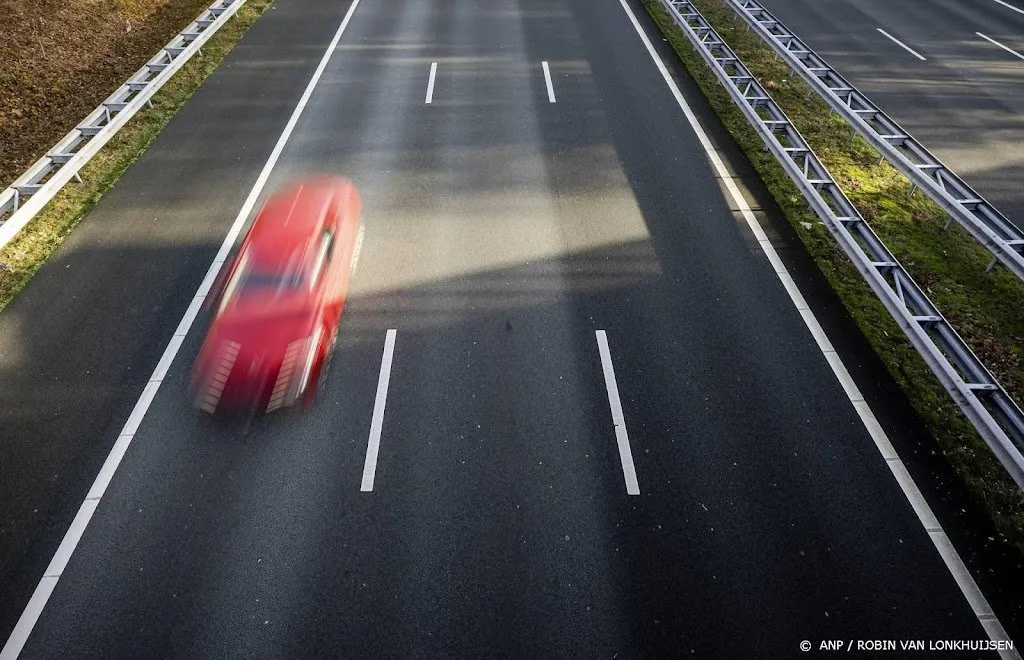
[[280, 395], [296, 367], [217, 380]]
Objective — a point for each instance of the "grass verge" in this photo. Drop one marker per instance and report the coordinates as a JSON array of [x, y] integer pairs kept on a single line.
[[22, 257], [948, 265]]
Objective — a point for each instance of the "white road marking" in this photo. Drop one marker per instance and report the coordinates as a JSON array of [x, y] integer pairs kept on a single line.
[[978, 603], [1006, 48], [903, 45], [377, 421], [621, 437], [16, 642], [430, 82], [547, 81], [1009, 6]]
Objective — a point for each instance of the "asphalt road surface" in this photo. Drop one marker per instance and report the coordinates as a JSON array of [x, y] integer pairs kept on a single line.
[[503, 232], [962, 101]]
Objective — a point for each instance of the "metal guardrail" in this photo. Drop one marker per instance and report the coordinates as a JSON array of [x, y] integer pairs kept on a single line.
[[961, 202], [983, 400], [20, 202]]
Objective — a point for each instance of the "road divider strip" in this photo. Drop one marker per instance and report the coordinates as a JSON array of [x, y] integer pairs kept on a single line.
[[30, 615], [976, 599], [377, 421], [978, 304], [961, 203]]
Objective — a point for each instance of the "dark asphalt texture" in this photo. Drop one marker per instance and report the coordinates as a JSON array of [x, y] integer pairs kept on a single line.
[[81, 340], [963, 103], [501, 232]]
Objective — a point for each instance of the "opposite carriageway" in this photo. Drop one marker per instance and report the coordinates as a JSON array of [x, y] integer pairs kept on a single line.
[[961, 202]]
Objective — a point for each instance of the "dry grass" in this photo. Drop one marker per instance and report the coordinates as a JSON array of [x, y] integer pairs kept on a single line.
[[21, 258], [61, 58]]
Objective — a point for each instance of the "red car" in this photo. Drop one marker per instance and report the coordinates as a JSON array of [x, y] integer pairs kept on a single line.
[[280, 301]]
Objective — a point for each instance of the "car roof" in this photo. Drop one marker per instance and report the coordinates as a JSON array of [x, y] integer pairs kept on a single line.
[[290, 220], [292, 214]]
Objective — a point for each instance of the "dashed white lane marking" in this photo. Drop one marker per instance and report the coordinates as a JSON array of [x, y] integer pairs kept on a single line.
[[1009, 6], [903, 45], [977, 601], [377, 422], [27, 621], [547, 81], [621, 437], [430, 82], [1006, 48]]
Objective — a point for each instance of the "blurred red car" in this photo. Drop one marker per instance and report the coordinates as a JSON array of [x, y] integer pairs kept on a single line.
[[280, 301]]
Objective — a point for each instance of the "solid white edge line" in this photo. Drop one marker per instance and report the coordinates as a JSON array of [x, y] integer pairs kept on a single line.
[[618, 419], [977, 601], [1006, 48], [547, 81], [377, 421], [67, 545], [903, 45], [430, 82], [1009, 6], [27, 621]]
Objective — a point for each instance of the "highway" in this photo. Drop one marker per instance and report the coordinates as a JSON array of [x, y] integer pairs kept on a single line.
[[948, 71], [513, 223]]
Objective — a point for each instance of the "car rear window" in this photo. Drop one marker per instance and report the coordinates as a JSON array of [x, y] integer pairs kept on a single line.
[[249, 279], [254, 280]]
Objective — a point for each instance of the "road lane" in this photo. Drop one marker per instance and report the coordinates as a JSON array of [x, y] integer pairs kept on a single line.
[[442, 299], [79, 342], [963, 103], [501, 232]]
